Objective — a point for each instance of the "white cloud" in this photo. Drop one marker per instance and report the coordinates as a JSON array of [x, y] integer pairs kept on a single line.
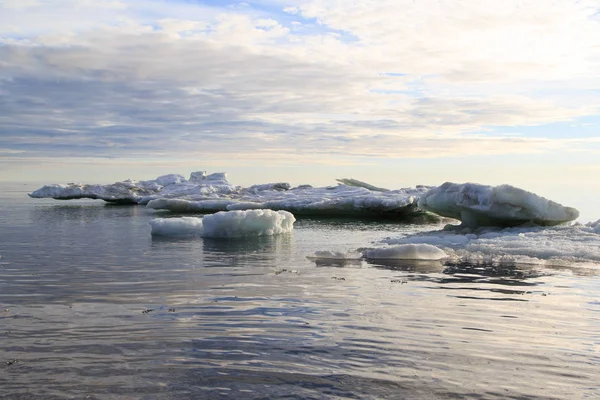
[[385, 79], [478, 40], [18, 4]]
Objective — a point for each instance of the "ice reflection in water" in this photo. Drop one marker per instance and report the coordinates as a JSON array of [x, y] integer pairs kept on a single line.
[[97, 307]]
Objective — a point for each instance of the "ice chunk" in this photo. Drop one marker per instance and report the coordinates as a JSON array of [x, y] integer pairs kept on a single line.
[[248, 223], [339, 200], [122, 192], [505, 205], [269, 186], [131, 191], [217, 178], [171, 179], [357, 183], [407, 252], [184, 226], [335, 255], [227, 224], [595, 226], [197, 176]]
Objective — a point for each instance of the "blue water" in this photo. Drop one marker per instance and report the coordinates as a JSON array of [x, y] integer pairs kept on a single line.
[[93, 307]]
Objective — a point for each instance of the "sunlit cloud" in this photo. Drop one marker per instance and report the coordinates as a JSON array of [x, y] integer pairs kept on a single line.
[[333, 82]]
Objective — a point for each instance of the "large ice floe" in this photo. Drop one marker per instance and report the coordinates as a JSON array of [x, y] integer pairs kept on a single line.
[[203, 193], [475, 205], [480, 205], [568, 246], [230, 224]]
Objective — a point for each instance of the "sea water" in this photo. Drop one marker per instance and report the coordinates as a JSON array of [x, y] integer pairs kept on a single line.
[[92, 306]]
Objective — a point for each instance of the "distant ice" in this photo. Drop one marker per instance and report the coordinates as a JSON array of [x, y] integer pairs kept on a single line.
[[475, 205], [341, 200], [141, 192], [203, 193], [184, 226], [480, 205], [406, 252], [229, 224]]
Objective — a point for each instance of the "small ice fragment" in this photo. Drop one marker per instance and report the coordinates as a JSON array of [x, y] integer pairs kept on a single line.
[[407, 252]]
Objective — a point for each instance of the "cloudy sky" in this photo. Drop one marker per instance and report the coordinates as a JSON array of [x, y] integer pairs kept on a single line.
[[394, 92]]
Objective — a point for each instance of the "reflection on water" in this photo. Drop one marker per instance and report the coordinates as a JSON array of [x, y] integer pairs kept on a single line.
[[420, 266], [93, 306], [331, 262]]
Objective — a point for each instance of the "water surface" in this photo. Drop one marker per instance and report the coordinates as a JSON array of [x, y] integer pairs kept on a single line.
[[94, 307]]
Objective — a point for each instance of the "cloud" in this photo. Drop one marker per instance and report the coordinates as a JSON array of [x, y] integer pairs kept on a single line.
[[397, 79], [18, 4]]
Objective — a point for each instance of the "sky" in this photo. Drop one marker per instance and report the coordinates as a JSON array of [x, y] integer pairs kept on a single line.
[[392, 92]]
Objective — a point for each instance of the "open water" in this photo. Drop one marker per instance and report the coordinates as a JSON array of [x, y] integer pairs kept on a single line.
[[93, 307]]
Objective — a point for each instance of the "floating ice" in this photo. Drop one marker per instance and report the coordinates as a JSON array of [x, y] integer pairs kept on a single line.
[[204, 193], [269, 186], [406, 252], [341, 200], [557, 245], [227, 224], [357, 183], [475, 205], [184, 226], [335, 255], [122, 192], [141, 192], [505, 205], [248, 223]]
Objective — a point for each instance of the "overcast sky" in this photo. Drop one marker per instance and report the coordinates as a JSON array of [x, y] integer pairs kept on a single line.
[[394, 92]]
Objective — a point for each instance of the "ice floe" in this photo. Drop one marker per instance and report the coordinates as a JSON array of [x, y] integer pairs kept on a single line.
[[339, 200], [406, 252], [231, 224], [141, 192], [480, 205], [203, 193], [557, 245], [336, 255], [184, 226]]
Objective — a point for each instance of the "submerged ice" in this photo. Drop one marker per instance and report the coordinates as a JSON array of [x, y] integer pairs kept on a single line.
[[231, 224]]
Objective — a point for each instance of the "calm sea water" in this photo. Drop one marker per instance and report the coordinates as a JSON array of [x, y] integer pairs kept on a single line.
[[93, 307]]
